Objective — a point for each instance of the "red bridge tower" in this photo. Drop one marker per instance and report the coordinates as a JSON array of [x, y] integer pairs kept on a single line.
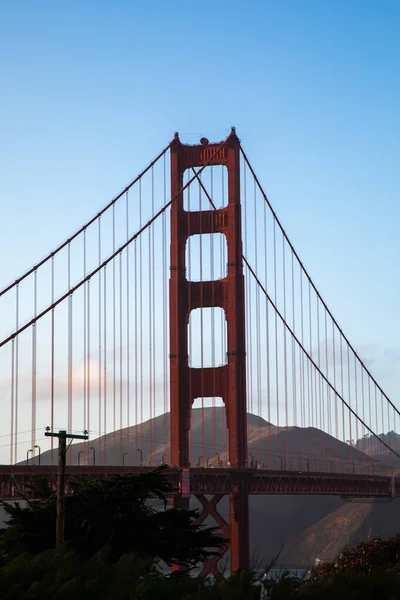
[[228, 381]]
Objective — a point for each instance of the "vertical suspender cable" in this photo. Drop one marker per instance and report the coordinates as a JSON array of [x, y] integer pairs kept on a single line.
[[52, 376], [285, 351], [376, 408], [247, 283], [128, 323], [213, 362], [153, 304], [247, 305], [294, 375], [302, 372], [342, 388], [369, 403], [388, 416], [16, 372], [34, 355], [141, 315], [310, 394], [121, 420], [85, 356], [150, 333], [328, 406], [356, 395], [13, 424], [320, 390], [276, 334], [363, 403], [12, 385], [258, 335], [321, 387], [105, 378], [189, 308], [70, 334], [201, 328], [137, 350], [99, 332], [165, 444], [267, 335], [349, 391], [114, 341], [89, 370], [334, 399], [224, 324]]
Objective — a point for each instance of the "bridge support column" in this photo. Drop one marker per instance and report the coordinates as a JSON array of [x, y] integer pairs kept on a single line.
[[239, 526], [236, 531], [209, 509], [229, 380]]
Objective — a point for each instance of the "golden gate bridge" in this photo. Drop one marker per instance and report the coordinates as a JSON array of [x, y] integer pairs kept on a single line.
[[179, 326]]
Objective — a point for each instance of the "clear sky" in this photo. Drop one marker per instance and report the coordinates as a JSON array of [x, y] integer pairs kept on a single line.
[[91, 91]]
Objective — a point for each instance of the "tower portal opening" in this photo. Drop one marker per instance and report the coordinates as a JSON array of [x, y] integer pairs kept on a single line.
[[207, 338], [206, 257]]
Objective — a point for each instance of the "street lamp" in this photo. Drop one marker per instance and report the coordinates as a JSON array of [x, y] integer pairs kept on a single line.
[[123, 458], [200, 457], [27, 455], [94, 454], [38, 447], [79, 456], [141, 456]]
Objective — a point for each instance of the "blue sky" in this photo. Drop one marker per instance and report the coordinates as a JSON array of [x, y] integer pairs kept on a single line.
[[91, 91]]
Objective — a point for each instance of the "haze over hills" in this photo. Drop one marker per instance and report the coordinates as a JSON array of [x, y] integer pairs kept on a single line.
[[306, 527]]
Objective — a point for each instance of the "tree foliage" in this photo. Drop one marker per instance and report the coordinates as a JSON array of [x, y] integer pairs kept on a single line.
[[126, 514], [369, 572], [61, 574]]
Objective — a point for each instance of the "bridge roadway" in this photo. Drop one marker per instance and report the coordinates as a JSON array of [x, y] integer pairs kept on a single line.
[[217, 480]]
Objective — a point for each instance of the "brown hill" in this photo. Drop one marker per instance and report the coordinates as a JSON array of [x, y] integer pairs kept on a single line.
[[346, 527], [271, 447]]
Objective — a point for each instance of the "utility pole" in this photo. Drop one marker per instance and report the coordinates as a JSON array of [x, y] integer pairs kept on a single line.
[[62, 436]]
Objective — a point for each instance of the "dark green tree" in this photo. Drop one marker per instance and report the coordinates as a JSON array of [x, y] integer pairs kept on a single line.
[[61, 574], [126, 514]]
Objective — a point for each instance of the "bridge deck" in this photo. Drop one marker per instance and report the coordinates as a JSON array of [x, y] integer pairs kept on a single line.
[[217, 481]]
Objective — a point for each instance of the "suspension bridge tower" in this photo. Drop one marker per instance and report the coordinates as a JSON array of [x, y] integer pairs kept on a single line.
[[227, 381]]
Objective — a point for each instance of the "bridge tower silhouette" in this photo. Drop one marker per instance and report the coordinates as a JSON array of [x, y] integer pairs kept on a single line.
[[227, 381]]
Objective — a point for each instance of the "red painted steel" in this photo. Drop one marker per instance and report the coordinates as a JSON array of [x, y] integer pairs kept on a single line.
[[217, 482], [229, 381]]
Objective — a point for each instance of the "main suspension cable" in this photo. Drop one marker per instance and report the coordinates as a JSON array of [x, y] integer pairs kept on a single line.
[[105, 262], [85, 226], [312, 282]]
